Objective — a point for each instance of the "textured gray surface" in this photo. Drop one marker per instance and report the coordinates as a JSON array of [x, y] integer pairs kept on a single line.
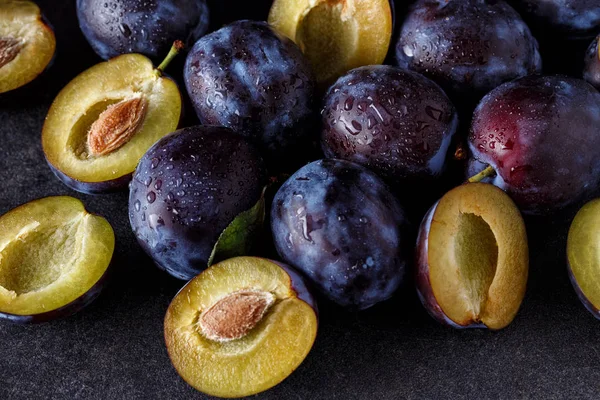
[[114, 349]]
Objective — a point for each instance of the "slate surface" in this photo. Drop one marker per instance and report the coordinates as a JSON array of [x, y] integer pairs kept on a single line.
[[115, 349]]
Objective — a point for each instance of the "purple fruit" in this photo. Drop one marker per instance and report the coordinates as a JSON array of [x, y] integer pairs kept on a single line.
[[591, 70], [539, 136], [570, 18], [467, 46], [149, 27], [338, 223], [398, 123], [249, 78], [187, 190]]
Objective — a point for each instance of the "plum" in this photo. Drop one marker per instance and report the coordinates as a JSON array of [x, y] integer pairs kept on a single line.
[[336, 36], [149, 27], [572, 19], [27, 44], [537, 139], [583, 252], [338, 223], [591, 71], [240, 327], [105, 119], [196, 192], [467, 46], [249, 78], [472, 258], [396, 122], [55, 259]]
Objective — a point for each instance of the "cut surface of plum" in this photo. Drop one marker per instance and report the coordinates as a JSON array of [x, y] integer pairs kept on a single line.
[[336, 36], [240, 327], [52, 254], [105, 119], [473, 258], [583, 253], [27, 44]]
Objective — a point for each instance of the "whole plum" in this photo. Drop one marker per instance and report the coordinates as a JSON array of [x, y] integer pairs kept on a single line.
[[396, 122], [569, 18], [249, 78], [591, 69], [187, 189], [149, 27], [338, 223], [467, 46], [538, 137]]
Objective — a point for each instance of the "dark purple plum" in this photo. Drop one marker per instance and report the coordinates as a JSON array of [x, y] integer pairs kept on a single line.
[[539, 137], [573, 19], [249, 78], [467, 46], [338, 223], [187, 189], [149, 27], [396, 122], [591, 69]]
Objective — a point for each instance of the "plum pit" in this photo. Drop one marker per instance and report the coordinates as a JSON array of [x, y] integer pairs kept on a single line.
[[9, 50], [78, 137], [235, 315], [261, 323]]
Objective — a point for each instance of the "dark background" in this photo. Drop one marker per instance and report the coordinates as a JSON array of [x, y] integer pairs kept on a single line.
[[115, 349]]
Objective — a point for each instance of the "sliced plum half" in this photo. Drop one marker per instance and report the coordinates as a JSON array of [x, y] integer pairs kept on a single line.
[[105, 119], [54, 256], [583, 253], [240, 327], [336, 36], [27, 44], [472, 258]]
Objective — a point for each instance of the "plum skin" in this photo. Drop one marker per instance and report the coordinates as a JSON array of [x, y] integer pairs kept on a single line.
[[356, 258], [422, 282], [187, 189], [573, 19], [468, 47], [539, 134], [112, 186], [581, 296], [591, 71], [406, 122], [249, 78], [149, 27]]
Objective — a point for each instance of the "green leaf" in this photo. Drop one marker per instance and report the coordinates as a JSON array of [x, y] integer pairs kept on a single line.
[[237, 239]]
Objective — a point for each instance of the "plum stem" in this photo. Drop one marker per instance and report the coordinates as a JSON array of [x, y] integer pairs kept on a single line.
[[175, 49], [487, 172]]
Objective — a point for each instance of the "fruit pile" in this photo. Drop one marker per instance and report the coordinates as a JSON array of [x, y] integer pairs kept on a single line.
[[305, 147]]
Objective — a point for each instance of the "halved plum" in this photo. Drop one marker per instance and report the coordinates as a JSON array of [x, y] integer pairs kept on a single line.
[[54, 256], [336, 36], [27, 44], [583, 254], [472, 258], [240, 327], [105, 119]]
